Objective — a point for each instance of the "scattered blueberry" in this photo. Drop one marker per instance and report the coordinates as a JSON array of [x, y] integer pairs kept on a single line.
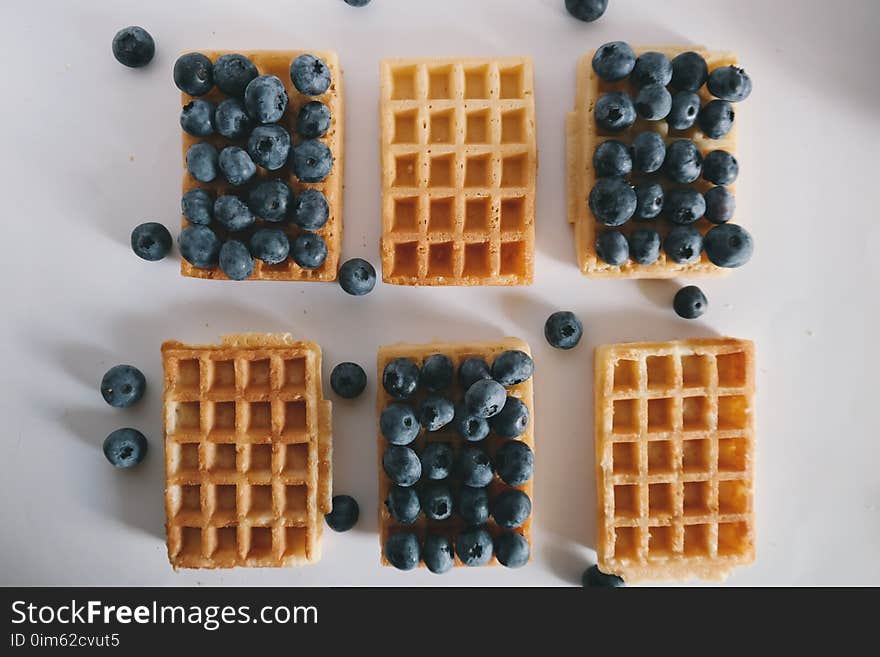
[[716, 118], [197, 118], [265, 99], [683, 244], [435, 412], [720, 205], [595, 578], [651, 68], [684, 206], [512, 420], [359, 3], [437, 553], [271, 200], [473, 429], [403, 504], [199, 246], [720, 168], [310, 75], [357, 277], [511, 509], [512, 550], [123, 386], [231, 119], [270, 245], [125, 448], [473, 505], [690, 302], [563, 330], [233, 73], [194, 74], [402, 465], [684, 111], [648, 151], [728, 245], [612, 248], [237, 166], [151, 241], [313, 120], [437, 461], [269, 146], [236, 260], [197, 206], [684, 162], [202, 161], [436, 500], [400, 378], [311, 161], [471, 370], [133, 47], [402, 550], [348, 380], [612, 158], [612, 201], [689, 71], [485, 398], [729, 83], [232, 213], [437, 372], [311, 210], [649, 200], [474, 467], [474, 546], [512, 367], [653, 102], [515, 462], [615, 111], [344, 514], [614, 61], [586, 10], [308, 250], [644, 246]]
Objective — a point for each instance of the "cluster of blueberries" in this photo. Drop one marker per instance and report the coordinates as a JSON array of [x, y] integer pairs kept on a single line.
[[122, 386], [421, 482], [614, 200]]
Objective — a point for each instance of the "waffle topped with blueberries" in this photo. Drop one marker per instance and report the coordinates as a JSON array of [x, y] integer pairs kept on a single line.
[[456, 460], [263, 159], [652, 162]]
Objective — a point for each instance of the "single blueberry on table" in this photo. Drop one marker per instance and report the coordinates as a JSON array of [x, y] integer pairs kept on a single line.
[[197, 118], [729, 83], [653, 102], [348, 380], [308, 250], [648, 151], [233, 73], [123, 386], [512, 367], [684, 111], [313, 120], [357, 277], [485, 398], [133, 47], [612, 158], [437, 372], [474, 467], [515, 462], [231, 120], [511, 509], [197, 206], [311, 161], [311, 210], [651, 68], [402, 465], [612, 248], [513, 419], [265, 99], [398, 423], [435, 412], [270, 245], [684, 206], [471, 428], [720, 168], [269, 146], [151, 241], [194, 74], [437, 461], [612, 201], [400, 378], [358, 3], [728, 245], [716, 118], [563, 330], [684, 162], [471, 370], [403, 504], [473, 505], [595, 578], [720, 205], [512, 550], [271, 200], [202, 161], [236, 260], [125, 448], [683, 244], [586, 10], [402, 550], [310, 75], [237, 166], [199, 246], [690, 302], [644, 246], [436, 499], [689, 71], [437, 553], [614, 61], [232, 213], [615, 111], [474, 546], [344, 514], [649, 200]]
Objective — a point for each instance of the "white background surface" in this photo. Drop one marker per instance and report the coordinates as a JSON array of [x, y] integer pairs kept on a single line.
[[91, 149]]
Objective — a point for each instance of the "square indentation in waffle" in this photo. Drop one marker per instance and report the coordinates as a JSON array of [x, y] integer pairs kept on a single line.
[[457, 352], [248, 452], [675, 458], [459, 159], [583, 136], [277, 62]]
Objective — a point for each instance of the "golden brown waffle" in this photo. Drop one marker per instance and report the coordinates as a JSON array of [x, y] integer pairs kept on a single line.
[[583, 137], [457, 351], [675, 458], [459, 160], [247, 452], [277, 62]]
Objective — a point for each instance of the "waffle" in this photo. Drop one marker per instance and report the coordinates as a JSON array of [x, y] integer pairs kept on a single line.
[[247, 452], [277, 62], [675, 458], [458, 171], [457, 352], [583, 137]]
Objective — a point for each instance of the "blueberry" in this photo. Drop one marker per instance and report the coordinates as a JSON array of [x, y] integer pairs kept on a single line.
[[511, 509], [400, 378], [690, 302], [436, 500], [473, 505], [271, 200], [199, 246], [435, 413], [202, 161], [123, 386], [684, 162], [402, 550], [649, 200], [471, 370], [269, 146], [689, 71], [133, 47], [437, 552], [348, 380], [615, 111], [232, 213], [344, 514], [313, 120], [236, 260], [684, 206], [512, 550], [231, 119], [311, 161], [360, 3], [729, 83], [310, 75], [612, 158], [644, 246], [237, 166], [265, 99], [402, 465], [437, 461], [716, 118], [125, 448], [398, 423], [728, 245], [651, 68], [720, 168], [512, 367], [485, 398], [471, 428], [683, 244], [586, 10], [194, 74], [270, 245], [720, 205], [595, 578], [512, 420], [614, 61], [563, 330], [648, 151], [357, 277], [515, 462], [474, 546], [403, 504], [612, 248], [612, 201], [474, 467], [233, 73], [437, 371], [653, 102], [197, 118], [308, 250], [197, 206], [684, 111], [151, 241], [311, 210]]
